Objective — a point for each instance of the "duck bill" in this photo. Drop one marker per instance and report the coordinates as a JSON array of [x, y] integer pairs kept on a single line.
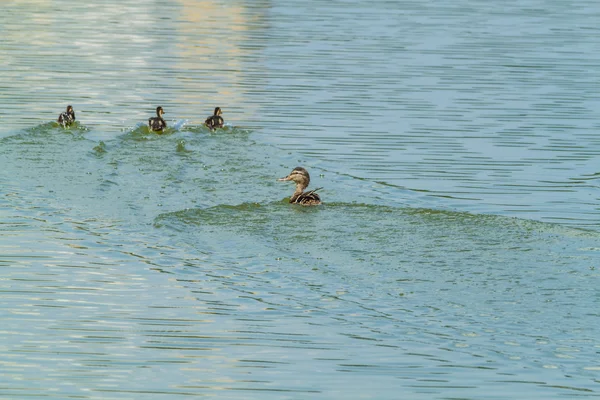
[[287, 178]]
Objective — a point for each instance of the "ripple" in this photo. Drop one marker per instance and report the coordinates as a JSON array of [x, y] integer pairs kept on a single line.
[[456, 251]]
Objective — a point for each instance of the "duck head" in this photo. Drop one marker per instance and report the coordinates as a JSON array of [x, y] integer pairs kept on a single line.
[[300, 176]]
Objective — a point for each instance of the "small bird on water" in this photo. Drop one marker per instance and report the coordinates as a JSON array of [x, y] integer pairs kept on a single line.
[[215, 120], [301, 177], [67, 118], [157, 124]]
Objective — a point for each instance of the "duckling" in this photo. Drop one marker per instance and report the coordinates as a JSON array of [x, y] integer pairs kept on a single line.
[[302, 179], [67, 118], [157, 124], [215, 120]]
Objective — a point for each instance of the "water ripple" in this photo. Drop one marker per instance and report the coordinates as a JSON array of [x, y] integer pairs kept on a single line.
[[455, 254]]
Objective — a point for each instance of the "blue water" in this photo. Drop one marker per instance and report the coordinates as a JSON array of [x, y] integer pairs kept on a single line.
[[456, 253]]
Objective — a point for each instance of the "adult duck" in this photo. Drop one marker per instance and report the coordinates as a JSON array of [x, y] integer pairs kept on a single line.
[[301, 177]]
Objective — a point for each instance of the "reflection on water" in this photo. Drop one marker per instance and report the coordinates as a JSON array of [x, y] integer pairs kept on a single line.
[[455, 254], [117, 61]]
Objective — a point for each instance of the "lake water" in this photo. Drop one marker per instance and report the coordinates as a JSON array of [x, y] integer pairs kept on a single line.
[[457, 252]]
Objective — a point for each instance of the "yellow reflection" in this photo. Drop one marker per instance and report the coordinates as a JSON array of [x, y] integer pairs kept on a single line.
[[212, 34]]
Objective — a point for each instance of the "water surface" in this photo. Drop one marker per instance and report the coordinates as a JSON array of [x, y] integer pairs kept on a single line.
[[455, 256]]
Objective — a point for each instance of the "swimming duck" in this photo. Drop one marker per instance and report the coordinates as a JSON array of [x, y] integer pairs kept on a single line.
[[215, 120], [67, 118], [157, 124], [302, 179]]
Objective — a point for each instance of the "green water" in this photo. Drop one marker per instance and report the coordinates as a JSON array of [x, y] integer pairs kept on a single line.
[[455, 255]]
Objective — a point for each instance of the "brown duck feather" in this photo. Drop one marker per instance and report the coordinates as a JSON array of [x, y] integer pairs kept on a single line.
[[307, 199], [67, 118], [215, 120], [157, 124]]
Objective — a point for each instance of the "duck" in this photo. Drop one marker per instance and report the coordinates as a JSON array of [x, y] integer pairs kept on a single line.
[[157, 124], [215, 120], [67, 118], [301, 177]]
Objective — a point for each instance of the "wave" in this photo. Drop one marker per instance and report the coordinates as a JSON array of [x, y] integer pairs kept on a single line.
[[360, 219]]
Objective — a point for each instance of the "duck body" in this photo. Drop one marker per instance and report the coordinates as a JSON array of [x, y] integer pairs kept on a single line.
[[157, 124], [215, 120], [67, 118], [301, 177], [306, 199]]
